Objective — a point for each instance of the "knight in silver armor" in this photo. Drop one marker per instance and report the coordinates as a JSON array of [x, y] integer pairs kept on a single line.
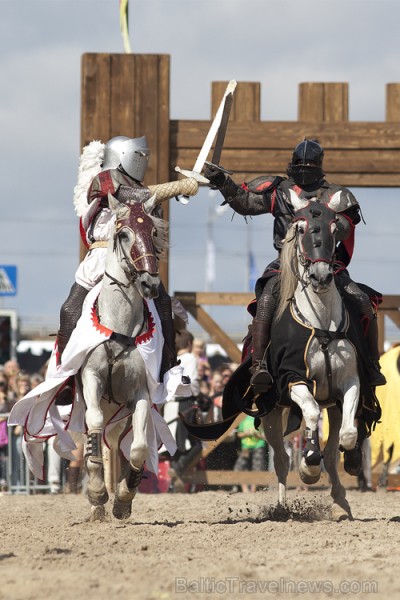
[[278, 196], [121, 167]]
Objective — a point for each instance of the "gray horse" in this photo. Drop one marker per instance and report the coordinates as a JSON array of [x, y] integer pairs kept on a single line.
[[115, 371]]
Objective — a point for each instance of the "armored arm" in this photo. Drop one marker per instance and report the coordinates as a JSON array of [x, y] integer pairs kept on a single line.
[[240, 198]]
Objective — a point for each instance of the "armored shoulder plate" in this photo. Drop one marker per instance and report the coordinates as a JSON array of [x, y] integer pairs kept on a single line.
[[263, 182], [340, 198]]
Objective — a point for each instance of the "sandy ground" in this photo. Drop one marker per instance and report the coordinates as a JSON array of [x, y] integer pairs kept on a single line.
[[208, 545]]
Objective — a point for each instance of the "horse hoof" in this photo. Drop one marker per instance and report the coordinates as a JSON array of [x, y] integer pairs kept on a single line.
[[122, 510], [309, 474], [338, 513], [313, 459], [97, 513], [97, 499], [353, 461]]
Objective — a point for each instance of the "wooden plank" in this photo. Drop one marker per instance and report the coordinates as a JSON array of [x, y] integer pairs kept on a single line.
[[346, 179], [122, 100], [394, 316], [261, 478], [390, 302], [268, 478], [393, 102], [323, 102], [246, 100], [215, 298], [275, 161], [355, 135], [95, 98], [215, 332]]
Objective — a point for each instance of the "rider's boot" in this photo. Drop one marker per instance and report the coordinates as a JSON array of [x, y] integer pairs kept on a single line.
[[66, 395], [375, 376], [70, 312], [169, 357], [261, 380], [73, 479]]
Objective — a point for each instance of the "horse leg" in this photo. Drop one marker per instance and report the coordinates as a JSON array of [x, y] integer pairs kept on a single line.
[[132, 470], [348, 434], [96, 488], [340, 508], [310, 465], [273, 430]]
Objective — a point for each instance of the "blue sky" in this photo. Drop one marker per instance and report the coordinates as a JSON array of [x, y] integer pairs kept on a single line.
[[279, 43]]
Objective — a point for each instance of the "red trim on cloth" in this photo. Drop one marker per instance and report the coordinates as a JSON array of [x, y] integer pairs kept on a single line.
[[82, 233], [140, 339], [147, 335], [244, 186], [96, 323]]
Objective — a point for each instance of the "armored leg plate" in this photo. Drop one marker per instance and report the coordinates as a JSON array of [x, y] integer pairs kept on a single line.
[[93, 446]]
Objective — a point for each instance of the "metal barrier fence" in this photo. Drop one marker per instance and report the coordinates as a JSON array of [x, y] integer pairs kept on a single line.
[[15, 476]]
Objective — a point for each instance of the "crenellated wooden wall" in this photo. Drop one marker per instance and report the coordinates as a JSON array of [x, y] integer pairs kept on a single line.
[[357, 153], [129, 94]]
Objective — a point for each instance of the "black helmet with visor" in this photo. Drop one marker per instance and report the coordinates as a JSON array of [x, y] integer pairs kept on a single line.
[[306, 165]]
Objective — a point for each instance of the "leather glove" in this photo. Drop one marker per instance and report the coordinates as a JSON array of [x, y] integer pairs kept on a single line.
[[215, 176]]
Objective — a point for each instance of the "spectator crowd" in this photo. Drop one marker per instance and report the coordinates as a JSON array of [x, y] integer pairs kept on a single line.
[[245, 449]]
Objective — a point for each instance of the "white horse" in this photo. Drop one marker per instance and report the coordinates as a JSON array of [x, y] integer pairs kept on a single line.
[[330, 360], [115, 370]]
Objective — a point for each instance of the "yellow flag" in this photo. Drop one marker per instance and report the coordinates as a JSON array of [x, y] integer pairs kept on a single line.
[[123, 19]]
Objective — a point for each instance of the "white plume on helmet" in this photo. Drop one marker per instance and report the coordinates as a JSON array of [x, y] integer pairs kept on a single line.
[[89, 166]]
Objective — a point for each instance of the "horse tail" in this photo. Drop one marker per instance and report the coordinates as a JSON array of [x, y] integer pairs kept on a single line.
[[288, 280]]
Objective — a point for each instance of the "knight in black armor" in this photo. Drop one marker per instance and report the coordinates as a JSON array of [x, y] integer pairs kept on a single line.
[[122, 172], [269, 194]]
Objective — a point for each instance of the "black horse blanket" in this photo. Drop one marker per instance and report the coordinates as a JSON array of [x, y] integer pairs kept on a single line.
[[288, 365]]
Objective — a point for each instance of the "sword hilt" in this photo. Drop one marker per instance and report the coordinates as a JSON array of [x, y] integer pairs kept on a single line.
[[218, 168]]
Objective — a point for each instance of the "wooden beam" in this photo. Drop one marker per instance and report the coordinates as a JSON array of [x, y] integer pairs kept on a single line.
[[215, 332], [215, 298], [268, 478], [283, 135], [251, 160]]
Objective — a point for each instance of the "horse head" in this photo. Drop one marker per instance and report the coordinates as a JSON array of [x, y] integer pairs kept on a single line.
[[139, 238], [315, 232]]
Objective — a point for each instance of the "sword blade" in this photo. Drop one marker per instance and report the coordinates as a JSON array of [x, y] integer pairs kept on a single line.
[[208, 142], [219, 142]]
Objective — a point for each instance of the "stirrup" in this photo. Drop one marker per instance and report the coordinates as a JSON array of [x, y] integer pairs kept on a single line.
[[375, 376], [261, 381]]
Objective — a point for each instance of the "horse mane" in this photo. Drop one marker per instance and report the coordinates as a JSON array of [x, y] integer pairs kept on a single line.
[[160, 240], [288, 280]]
